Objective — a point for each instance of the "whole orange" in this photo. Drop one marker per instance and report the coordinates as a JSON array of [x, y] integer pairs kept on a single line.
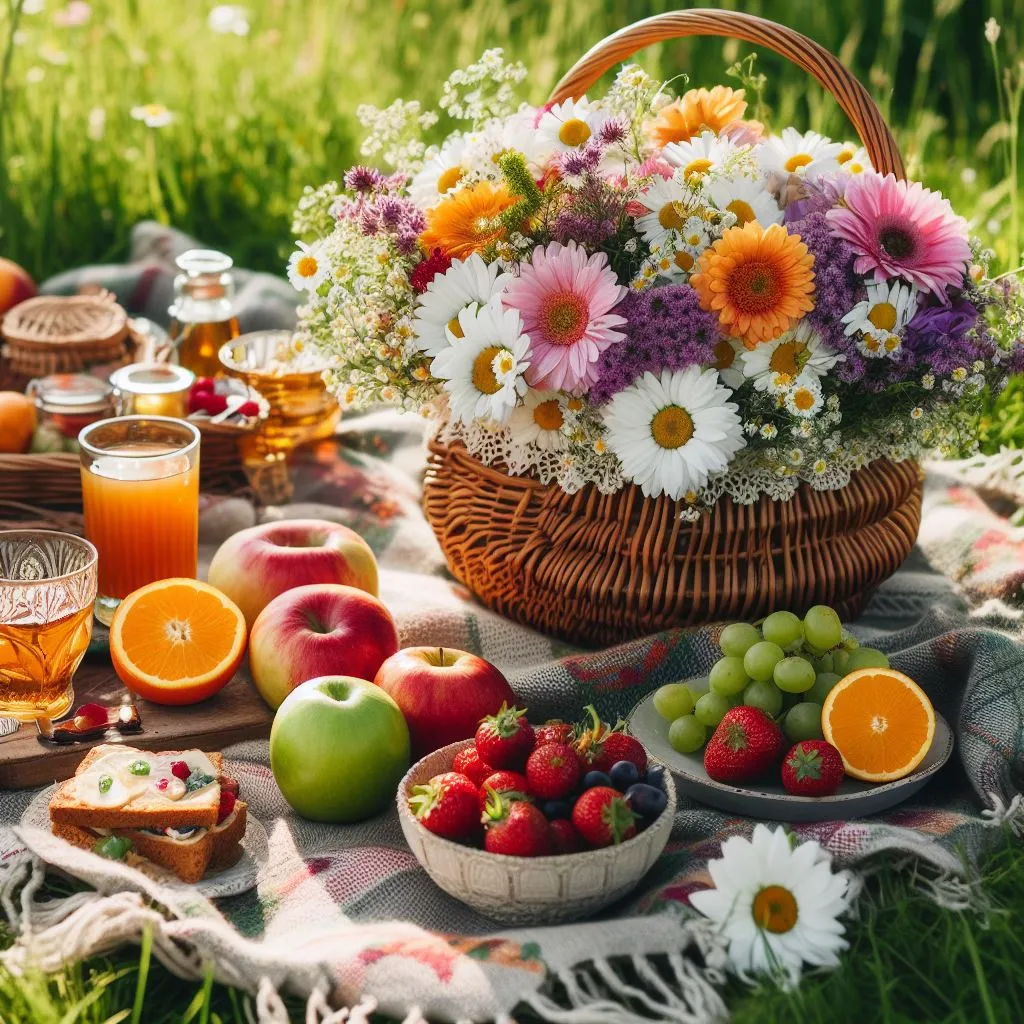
[[15, 285], [17, 422]]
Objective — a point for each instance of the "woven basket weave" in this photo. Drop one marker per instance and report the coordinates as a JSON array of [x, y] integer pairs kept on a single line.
[[600, 569]]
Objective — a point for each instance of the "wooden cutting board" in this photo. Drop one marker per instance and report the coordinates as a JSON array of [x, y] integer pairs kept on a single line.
[[236, 713]]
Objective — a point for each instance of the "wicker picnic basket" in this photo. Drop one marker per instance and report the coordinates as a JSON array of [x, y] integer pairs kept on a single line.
[[600, 569]]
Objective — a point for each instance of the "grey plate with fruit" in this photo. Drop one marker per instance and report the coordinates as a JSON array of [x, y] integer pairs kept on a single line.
[[769, 799]]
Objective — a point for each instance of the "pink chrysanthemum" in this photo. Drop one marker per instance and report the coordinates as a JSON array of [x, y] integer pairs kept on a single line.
[[565, 300], [901, 229]]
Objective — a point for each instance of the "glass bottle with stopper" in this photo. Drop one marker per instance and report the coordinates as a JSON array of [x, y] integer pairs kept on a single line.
[[202, 314]]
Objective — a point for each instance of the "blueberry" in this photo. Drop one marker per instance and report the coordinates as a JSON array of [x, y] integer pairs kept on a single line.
[[592, 779], [655, 776], [646, 800], [555, 809], [623, 775]]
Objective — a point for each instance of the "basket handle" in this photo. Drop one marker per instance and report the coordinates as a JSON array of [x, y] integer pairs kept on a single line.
[[852, 97]]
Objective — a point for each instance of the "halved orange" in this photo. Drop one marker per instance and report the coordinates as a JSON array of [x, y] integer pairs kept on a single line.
[[176, 641], [881, 722]]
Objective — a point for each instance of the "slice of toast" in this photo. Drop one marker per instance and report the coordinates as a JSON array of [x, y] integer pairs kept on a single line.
[[227, 837], [79, 801]]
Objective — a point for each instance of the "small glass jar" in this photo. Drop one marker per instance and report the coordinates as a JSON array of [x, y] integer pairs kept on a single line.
[[66, 403], [153, 389], [202, 314]]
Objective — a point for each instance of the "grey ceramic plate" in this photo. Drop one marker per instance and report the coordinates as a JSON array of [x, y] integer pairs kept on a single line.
[[768, 799]]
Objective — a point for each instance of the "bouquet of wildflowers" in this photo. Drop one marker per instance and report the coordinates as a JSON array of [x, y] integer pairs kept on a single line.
[[651, 290]]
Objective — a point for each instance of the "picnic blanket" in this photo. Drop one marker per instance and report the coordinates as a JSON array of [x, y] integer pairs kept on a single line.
[[343, 915]]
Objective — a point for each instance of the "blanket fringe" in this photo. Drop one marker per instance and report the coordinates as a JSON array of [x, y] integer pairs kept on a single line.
[[674, 989], [1009, 815]]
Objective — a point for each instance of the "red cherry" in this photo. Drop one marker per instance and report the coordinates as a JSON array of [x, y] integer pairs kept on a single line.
[[162, 784], [204, 384], [249, 409], [213, 403], [180, 770]]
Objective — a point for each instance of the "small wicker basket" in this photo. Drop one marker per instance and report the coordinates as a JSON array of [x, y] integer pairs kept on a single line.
[[600, 569]]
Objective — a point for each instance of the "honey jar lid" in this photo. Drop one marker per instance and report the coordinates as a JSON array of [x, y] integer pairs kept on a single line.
[[152, 379], [77, 392]]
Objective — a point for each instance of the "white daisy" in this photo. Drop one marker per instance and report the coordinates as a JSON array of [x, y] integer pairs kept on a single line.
[[777, 906], [483, 373], [853, 159], [307, 267], [465, 283], [809, 155], [728, 362], [440, 174], [153, 115], [699, 155], [775, 365], [671, 432], [670, 204], [569, 125], [804, 398], [540, 421], [744, 197], [887, 310]]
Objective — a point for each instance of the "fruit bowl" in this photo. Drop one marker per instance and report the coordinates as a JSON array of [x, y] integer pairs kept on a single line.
[[529, 890]]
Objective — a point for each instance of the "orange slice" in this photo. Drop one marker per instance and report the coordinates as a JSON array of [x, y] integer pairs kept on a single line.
[[881, 722], [176, 641]]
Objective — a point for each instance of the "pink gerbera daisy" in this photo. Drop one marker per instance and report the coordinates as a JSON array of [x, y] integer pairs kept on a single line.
[[902, 229], [565, 300]]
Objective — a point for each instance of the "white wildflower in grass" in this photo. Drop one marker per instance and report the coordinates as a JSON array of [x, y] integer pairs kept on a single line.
[[393, 132], [992, 30], [916, 413], [777, 905], [34, 75], [75, 14], [96, 125], [228, 19], [307, 267], [152, 115], [483, 90]]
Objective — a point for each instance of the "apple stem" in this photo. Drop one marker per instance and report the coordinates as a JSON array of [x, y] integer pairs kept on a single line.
[[440, 652]]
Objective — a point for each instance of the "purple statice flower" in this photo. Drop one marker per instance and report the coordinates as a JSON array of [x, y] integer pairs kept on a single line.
[[613, 131], [363, 179], [584, 228], [585, 159], [665, 330], [393, 215]]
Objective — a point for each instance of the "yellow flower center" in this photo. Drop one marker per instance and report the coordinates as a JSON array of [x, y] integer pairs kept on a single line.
[[575, 404], [754, 286], [670, 216], [307, 266], [788, 358], [856, 168], [563, 317], [684, 261], [504, 363], [725, 355], [697, 168], [883, 316], [154, 109], [484, 378], [871, 344], [671, 427], [574, 132], [845, 156], [798, 160], [455, 327], [892, 343], [803, 399], [744, 211], [548, 415], [775, 909], [449, 179]]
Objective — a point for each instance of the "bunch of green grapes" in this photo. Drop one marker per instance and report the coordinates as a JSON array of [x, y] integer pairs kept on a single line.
[[786, 668]]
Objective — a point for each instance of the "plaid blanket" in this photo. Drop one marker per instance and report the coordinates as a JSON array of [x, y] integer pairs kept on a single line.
[[344, 916]]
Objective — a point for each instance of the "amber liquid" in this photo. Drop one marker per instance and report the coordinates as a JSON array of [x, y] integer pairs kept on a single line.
[[198, 344], [37, 662]]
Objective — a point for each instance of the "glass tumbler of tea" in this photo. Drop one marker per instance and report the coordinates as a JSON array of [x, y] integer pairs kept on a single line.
[[140, 493], [47, 591]]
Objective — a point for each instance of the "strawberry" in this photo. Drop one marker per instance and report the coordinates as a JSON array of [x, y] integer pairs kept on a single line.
[[227, 805], [563, 837], [554, 731], [745, 745], [505, 739], [227, 783], [553, 770], [812, 768], [603, 817], [514, 828], [510, 785], [601, 747], [447, 805], [469, 763], [180, 770]]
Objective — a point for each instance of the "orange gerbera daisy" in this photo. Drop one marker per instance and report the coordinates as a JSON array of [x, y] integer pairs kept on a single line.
[[467, 221], [760, 282], [696, 111]]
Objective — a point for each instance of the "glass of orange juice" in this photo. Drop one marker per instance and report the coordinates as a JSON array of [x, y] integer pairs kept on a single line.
[[140, 492]]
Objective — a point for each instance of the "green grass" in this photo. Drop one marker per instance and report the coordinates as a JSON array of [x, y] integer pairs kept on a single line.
[[909, 961]]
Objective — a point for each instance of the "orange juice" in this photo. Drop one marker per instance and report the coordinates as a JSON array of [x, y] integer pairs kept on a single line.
[[141, 502]]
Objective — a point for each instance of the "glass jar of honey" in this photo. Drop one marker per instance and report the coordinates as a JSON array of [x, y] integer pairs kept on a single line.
[[202, 314], [66, 403], [153, 389]]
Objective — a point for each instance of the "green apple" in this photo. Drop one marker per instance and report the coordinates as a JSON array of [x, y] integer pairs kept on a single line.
[[339, 746]]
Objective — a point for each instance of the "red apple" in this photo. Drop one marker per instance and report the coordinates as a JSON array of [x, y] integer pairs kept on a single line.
[[326, 630], [253, 566], [443, 693], [15, 285]]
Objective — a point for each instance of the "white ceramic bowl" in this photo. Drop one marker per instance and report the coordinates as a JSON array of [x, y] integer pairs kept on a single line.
[[529, 890]]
